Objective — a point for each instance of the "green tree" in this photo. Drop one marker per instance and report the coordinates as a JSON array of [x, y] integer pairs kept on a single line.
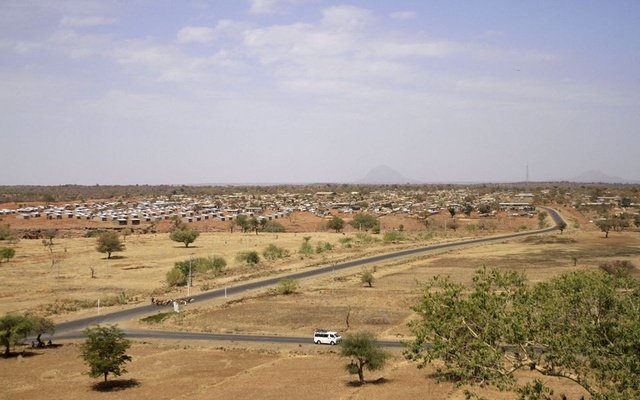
[[243, 222], [109, 242], [364, 352], [605, 226], [6, 253], [467, 209], [105, 351], [577, 326], [365, 222], [13, 329], [183, 234], [336, 223], [40, 326], [452, 211]]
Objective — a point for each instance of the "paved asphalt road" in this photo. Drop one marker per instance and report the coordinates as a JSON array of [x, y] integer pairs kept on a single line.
[[70, 330]]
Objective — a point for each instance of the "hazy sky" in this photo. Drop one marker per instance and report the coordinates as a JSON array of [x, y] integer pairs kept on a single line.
[[121, 92]]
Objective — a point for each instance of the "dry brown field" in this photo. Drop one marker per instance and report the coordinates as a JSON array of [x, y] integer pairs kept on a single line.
[[182, 369]]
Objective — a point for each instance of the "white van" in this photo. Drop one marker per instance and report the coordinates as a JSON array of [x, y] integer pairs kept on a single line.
[[326, 337]]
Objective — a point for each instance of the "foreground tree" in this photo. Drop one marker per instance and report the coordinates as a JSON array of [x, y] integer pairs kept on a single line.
[[583, 326], [336, 223], [183, 234], [105, 351], [109, 242], [364, 352]]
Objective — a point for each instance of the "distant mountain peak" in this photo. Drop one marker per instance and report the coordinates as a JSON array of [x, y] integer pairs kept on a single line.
[[383, 174], [595, 176]]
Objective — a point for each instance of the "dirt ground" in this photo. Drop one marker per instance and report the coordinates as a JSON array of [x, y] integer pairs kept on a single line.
[[195, 371]]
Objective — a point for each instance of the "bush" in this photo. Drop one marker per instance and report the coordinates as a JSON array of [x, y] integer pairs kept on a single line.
[[367, 277], [273, 226], [273, 252], [175, 277], [287, 286], [346, 242], [618, 267], [365, 238], [321, 247], [213, 264], [248, 257], [305, 247], [393, 237], [6, 233]]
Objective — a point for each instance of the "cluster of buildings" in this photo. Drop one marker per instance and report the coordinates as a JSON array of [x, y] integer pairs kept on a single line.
[[227, 207]]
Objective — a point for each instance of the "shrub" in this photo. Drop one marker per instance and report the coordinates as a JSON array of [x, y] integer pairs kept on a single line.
[[365, 238], [321, 247], [287, 286], [305, 247], [248, 257], [346, 242], [273, 226], [367, 277], [6, 233], [393, 237], [157, 318], [213, 264], [618, 267], [175, 277], [273, 252]]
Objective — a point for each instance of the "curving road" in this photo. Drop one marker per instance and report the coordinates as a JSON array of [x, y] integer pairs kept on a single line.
[[70, 330]]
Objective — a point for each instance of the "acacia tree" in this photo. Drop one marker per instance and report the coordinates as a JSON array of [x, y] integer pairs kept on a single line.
[[6, 253], [40, 326], [109, 242], [183, 234], [605, 226], [105, 351], [364, 352], [583, 326], [336, 223], [15, 327]]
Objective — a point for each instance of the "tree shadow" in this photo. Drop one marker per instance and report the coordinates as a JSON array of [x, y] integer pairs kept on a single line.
[[115, 385], [379, 381], [21, 354], [115, 258]]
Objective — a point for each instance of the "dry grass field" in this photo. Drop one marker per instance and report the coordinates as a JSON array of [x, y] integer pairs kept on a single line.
[[181, 370]]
